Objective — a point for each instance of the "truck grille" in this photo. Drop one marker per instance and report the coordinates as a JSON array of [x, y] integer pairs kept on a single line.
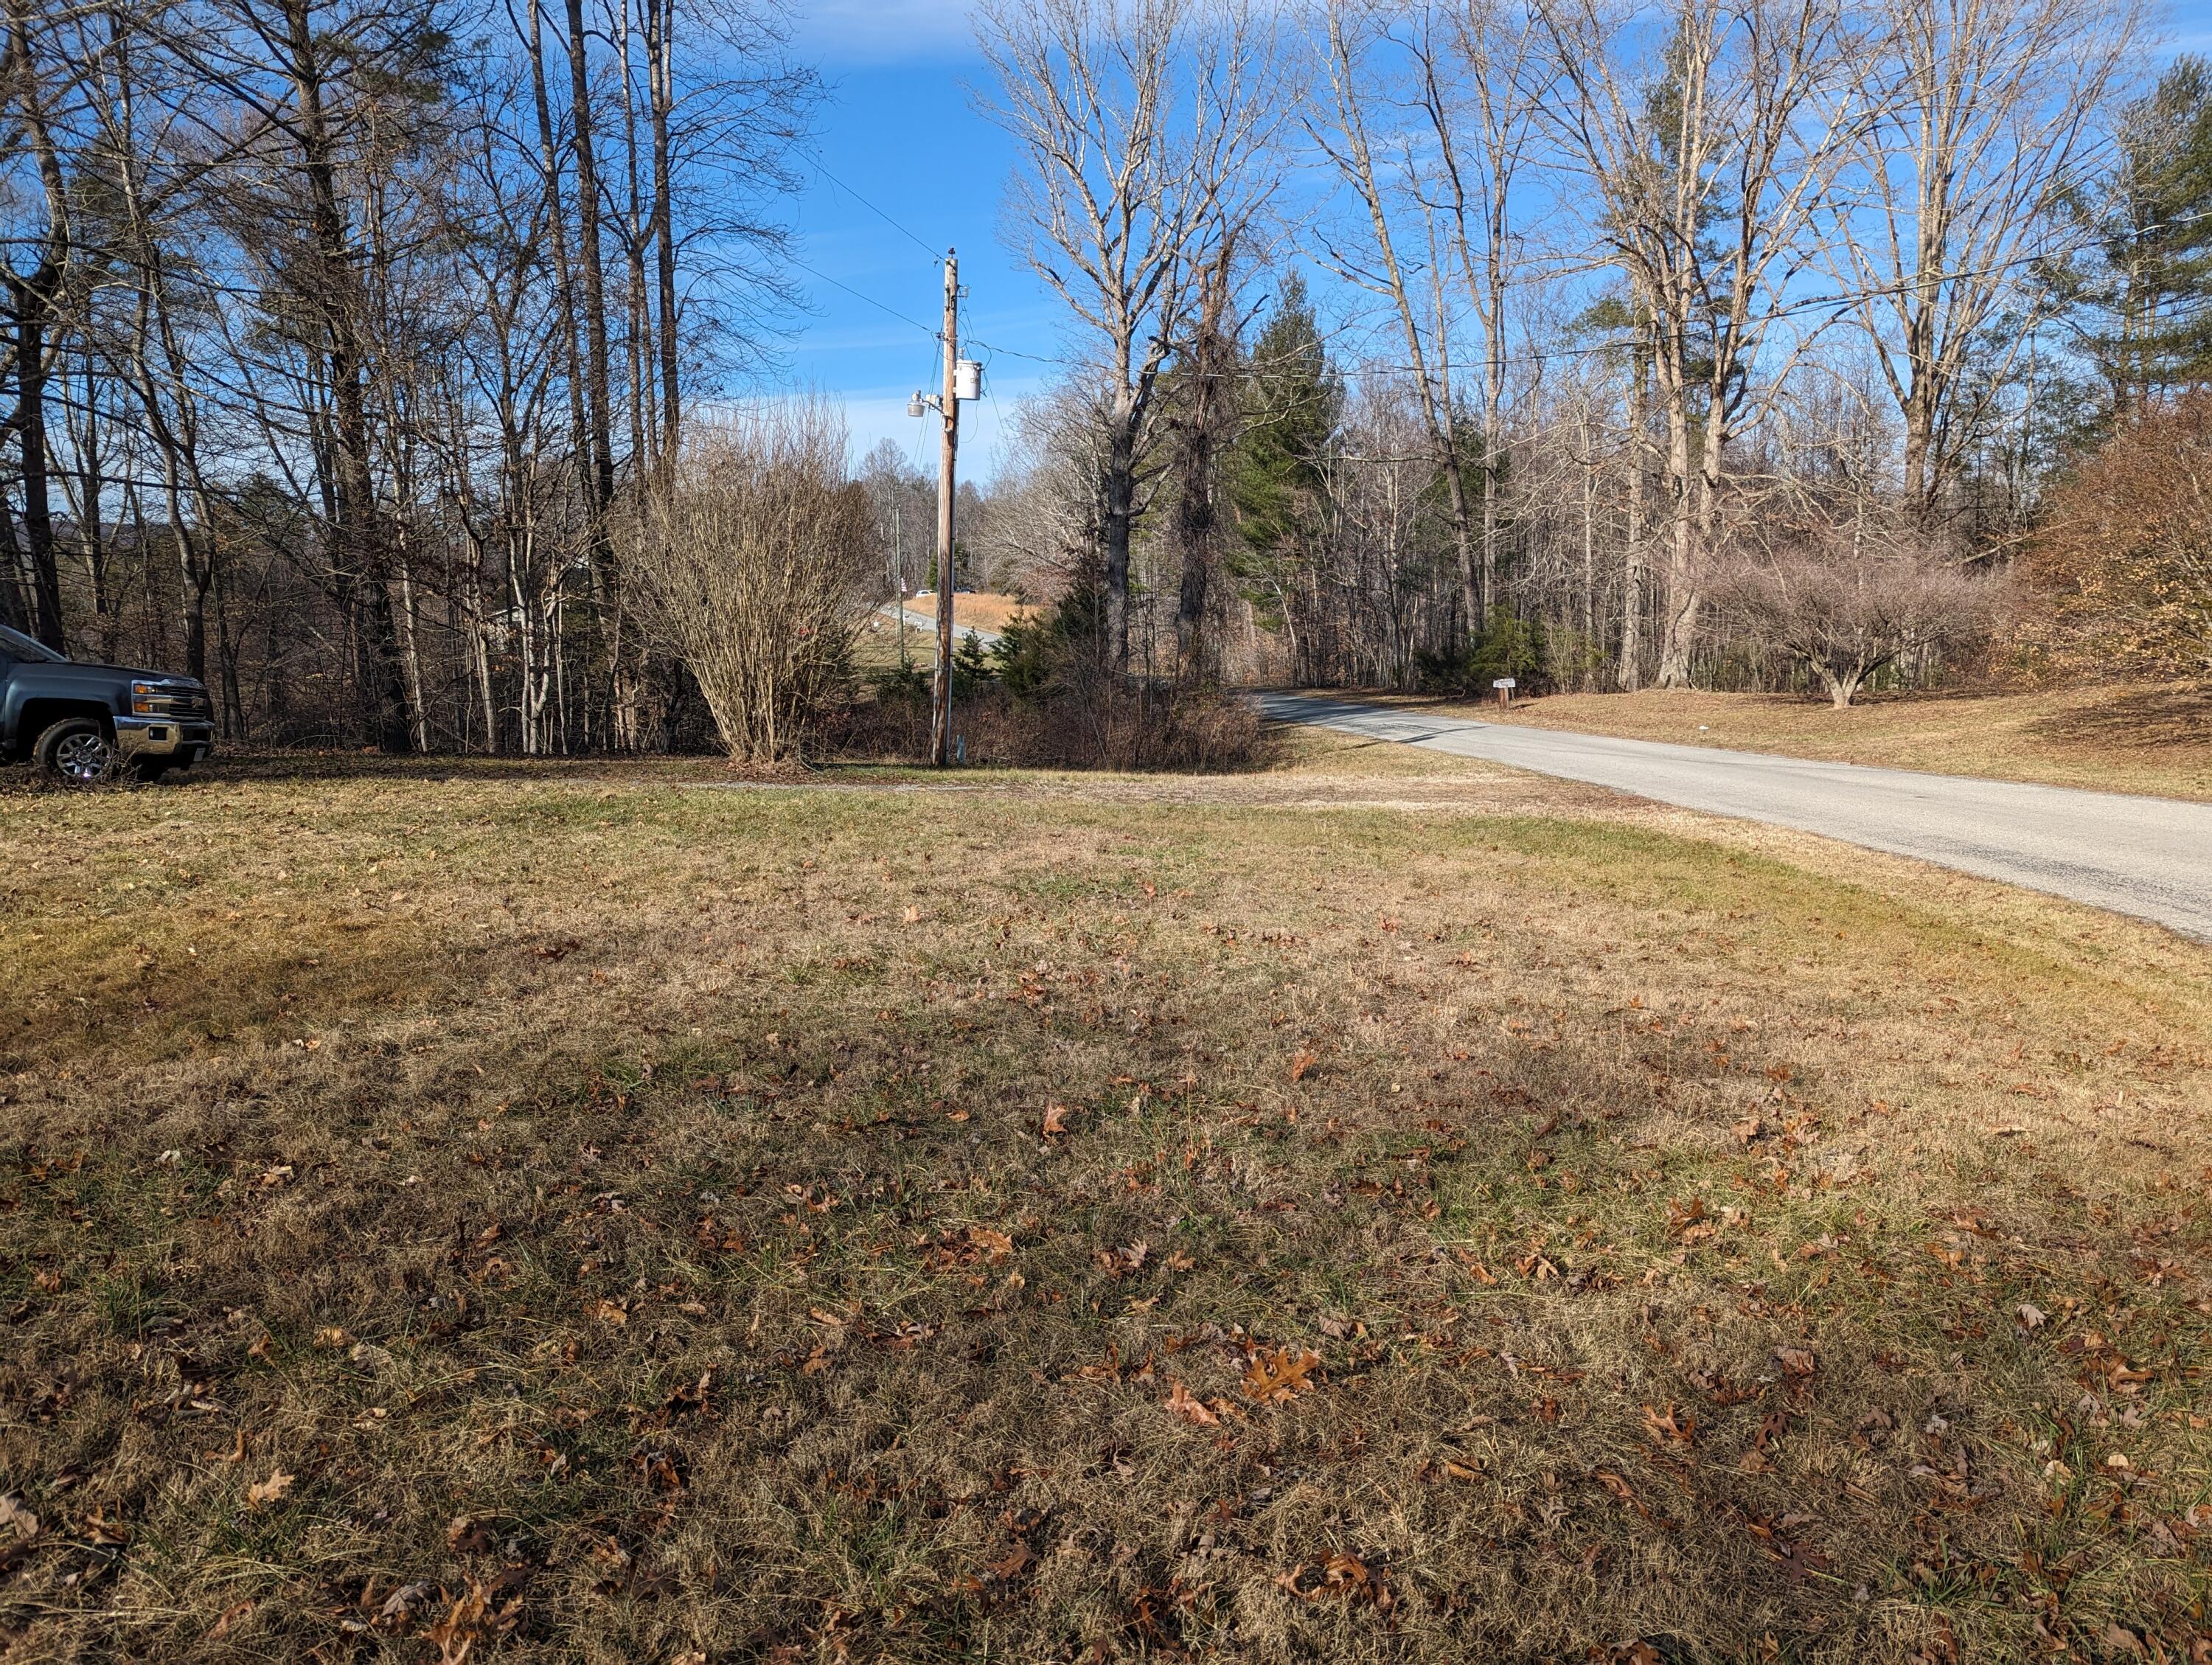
[[190, 704]]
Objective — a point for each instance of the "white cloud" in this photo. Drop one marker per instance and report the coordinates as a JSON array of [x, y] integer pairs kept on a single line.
[[878, 30]]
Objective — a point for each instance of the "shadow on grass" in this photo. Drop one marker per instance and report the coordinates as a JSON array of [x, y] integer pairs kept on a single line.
[[2141, 718], [299, 766]]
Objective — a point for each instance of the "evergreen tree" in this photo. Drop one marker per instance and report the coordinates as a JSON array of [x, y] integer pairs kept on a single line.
[[1278, 471], [2147, 289]]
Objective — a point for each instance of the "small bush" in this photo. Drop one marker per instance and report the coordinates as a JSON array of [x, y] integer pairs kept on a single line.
[[1043, 698], [1848, 600], [751, 571], [1510, 645]]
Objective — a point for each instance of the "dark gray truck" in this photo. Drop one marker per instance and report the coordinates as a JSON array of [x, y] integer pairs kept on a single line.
[[88, 722]]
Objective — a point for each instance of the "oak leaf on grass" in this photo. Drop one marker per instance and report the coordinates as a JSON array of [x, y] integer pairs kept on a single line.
[[1276, 1375], [1185, 1403]]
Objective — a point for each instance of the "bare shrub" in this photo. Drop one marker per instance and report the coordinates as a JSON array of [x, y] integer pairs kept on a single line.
[[752, 568], [1116, 725], [1068, 706], [2122, 568], [1044, 699], [1124, 725], [1845, 601]]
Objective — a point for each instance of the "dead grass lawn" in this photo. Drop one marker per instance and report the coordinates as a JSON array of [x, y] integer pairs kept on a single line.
[[1383, 1209]]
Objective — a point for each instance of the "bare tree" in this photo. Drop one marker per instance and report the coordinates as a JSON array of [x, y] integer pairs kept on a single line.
[[1984, 117], [1143, 130], [1708, 168], [1206, 421], [34, 80], [1416, 283], [1481, 145]]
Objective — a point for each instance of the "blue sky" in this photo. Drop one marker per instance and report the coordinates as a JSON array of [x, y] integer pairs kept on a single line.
[[901, 129]]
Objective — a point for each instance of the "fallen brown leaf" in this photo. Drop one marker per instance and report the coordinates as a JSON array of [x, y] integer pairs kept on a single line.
[[15, 1521], [1279, 1374], [1187, 1404], [1343, 1577], [2118, 1640]]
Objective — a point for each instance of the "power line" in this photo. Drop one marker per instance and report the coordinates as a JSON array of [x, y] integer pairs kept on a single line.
[[823, 167], [857, 295], [1034, 358]]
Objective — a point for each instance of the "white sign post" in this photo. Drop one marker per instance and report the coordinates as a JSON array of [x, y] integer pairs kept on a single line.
[[1505, 687]]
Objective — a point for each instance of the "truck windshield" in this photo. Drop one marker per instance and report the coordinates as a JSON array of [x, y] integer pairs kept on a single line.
[[16, 645]]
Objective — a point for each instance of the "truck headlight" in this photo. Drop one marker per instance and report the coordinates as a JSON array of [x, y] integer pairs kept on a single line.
[[142, 699]]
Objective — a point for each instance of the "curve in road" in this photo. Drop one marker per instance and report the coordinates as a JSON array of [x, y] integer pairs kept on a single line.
[[926, 623], [2150, 857]]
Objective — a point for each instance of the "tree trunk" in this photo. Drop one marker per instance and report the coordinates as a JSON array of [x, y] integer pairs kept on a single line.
[[596, 383], [89, 509], [1119, 519], [410, 661], [15, 609], [1678, 625], [662, 93], [30, 424], [1196, 511], [1631, 668], [355, 522]]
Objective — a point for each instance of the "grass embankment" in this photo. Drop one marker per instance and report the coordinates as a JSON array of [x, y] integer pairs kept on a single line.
[[1380, 1209], [877, 645], [2156, 741]]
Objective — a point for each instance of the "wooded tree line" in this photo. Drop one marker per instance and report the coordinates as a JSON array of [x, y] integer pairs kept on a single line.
[[346, 336], [354, 348], [1726, 343]]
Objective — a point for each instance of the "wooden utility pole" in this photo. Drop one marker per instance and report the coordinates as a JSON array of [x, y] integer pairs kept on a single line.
[[898, 567], [940, 727]]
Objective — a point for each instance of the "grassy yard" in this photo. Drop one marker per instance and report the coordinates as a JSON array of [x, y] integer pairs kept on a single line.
[[2153, 740], [1375, 1208]]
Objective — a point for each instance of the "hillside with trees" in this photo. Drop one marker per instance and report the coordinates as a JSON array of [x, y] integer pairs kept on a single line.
[[363, 356]]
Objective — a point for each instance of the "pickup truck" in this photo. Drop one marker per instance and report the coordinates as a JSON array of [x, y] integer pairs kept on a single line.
[[88, 722]]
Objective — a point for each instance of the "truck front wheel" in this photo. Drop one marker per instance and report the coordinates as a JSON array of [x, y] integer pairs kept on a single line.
[[77, 750]]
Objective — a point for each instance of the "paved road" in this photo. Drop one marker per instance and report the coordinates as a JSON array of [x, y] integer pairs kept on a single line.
[[2151, 857], [927, 623]]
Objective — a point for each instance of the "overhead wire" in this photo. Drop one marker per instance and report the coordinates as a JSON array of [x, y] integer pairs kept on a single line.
[[880, 306], [823, 167]]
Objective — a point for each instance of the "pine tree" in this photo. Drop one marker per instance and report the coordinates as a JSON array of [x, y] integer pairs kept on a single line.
[[2146, 289], [1278, 472]]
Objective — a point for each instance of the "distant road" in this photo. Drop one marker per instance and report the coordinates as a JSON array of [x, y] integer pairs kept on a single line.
[[2150, 857], [922, 621]]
